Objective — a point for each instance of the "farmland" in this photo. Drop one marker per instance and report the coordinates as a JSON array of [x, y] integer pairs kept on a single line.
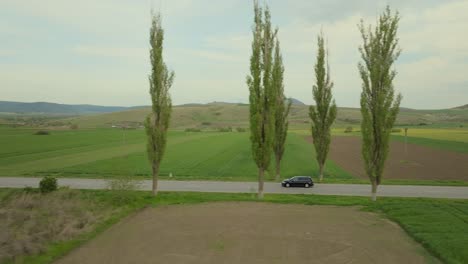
[[107, 153], [214, 232], [415, 162], [438, 224]]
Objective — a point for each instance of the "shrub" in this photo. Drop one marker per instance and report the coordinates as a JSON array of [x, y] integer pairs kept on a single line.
[[225, 129], [42, 133], [48, 184], [74, 126], [348, 130], [240, 129], [206, 123], [192, 130], [30, 222], [123, 188], [396, 130], [29, 189]]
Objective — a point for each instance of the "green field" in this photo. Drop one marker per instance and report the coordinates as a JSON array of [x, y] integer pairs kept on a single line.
[[446, 134], [111, 152], [456, 146], [107, 153]]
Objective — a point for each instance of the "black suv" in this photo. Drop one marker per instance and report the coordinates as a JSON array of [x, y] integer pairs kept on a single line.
[[298, 181]]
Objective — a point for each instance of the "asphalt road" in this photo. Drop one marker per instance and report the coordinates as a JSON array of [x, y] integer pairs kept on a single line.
[[251, 187]]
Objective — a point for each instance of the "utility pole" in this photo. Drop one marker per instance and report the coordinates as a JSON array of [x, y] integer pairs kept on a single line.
[[406, 141]]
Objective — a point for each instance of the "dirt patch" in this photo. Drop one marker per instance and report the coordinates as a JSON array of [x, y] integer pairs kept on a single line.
[[251, 233], [417, 163]]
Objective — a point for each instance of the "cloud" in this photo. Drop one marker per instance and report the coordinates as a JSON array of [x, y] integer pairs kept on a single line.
[[87, 51], [7, 52], [105, 51]]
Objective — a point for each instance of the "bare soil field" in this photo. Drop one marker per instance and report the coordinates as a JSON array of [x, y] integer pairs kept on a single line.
[[417, 163], [246, 232]]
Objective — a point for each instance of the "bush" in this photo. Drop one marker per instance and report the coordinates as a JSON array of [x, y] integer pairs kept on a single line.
[[74, 126], [42, 133], [192, 130], [29, 189], [348, 130], [240, 129], [225, 129], [30, 222], [123, 188], [396, 130], [206, 123], [48, 184]]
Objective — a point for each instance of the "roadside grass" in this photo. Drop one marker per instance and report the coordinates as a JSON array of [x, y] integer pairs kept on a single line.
[[440, 225], [38, 228], [396, 182]]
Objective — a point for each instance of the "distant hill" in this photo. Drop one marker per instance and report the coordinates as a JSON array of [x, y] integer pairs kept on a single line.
[[53, 108], [213, 116], [461, 107], [294, 101], [206, 116]]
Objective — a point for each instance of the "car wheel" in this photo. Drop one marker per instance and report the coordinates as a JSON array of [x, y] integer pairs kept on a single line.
[[287, 185], [307, 185]]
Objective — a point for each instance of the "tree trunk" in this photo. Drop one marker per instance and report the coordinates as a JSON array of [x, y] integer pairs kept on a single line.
[[155, 169], [261, 171], [320, 172], [374, 190], [278, 168]]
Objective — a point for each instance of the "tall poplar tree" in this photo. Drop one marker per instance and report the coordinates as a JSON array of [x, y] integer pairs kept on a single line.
[[262, 96], [282, 108], [323, 114], [160, 80], [379, 107]]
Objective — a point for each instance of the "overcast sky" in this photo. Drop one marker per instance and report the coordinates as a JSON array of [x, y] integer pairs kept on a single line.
[[96, 52]]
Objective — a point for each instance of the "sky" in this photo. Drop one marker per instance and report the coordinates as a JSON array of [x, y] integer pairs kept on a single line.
[[97, 52]]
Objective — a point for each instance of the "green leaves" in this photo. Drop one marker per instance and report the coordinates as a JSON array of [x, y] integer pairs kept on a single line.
[[282, 105], [323, 114], [262, 92], [160, 80], [379, 107]]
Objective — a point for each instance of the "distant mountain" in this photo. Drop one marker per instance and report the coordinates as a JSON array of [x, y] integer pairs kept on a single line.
[[296, 102], [461, 107], [53, 108]]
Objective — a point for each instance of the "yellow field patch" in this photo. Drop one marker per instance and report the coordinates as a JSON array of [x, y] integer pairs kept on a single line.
[[434, 133]]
